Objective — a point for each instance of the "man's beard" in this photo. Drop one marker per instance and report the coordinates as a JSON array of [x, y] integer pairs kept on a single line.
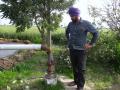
[[74, 20]]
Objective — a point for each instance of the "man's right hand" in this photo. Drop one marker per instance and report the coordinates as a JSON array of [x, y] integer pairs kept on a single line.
[[88, 46]]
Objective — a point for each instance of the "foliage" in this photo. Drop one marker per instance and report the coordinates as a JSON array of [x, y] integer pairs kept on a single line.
[[9, 32], [45, 14], [62, 61], [43, 86], [108, 14], [106, 52], [39, 85], [103, 62], [22, 75], [25, 70], [58, 37]]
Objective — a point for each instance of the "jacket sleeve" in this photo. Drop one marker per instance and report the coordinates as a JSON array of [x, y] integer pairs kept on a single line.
[[93, 31], [67, 32]]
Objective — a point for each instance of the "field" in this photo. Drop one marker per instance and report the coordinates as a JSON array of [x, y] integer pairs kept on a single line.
[[31, 34]]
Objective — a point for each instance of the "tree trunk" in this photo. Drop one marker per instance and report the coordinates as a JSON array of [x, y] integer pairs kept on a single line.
[[42, 32], [43, 36]]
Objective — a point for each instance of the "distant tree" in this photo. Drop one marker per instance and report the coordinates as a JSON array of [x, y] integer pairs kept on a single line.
[[109, 14]]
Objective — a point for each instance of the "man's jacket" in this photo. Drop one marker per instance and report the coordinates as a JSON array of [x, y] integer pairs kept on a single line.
[[76, 34]]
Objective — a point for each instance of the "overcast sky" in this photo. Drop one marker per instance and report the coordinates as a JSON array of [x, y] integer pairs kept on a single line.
[[81, 4]]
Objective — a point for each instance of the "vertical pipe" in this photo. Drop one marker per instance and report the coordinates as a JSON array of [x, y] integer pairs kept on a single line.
[[50, 55]]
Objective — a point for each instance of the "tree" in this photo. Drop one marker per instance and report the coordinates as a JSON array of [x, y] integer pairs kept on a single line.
[[109, 14], [94, 13], [45, 14]]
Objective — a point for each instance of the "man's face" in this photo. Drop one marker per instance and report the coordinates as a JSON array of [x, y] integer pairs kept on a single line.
[[75, 18]]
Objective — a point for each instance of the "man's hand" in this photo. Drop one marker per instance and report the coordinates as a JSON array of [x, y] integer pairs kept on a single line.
[[88, 46]]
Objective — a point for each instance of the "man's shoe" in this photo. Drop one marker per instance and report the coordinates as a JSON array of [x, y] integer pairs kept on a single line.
[[72, 83], [79, 88]]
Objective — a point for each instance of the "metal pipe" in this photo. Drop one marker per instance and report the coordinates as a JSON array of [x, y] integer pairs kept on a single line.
[[19, 46], [10, 49]]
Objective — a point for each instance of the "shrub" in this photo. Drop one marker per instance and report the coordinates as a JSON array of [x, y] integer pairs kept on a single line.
[[106, 52], [58, 37]]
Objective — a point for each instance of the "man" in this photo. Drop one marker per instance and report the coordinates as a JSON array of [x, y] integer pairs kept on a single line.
[[76, 34]]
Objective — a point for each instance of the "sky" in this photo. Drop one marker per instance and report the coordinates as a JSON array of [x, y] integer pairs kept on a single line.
[[81, 4]]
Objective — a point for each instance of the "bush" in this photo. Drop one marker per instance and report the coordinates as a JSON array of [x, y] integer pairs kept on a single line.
[[106, 52], [58, 37], [63, 64]]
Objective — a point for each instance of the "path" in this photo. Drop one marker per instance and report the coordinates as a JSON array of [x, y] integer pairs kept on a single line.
[[65, 80]]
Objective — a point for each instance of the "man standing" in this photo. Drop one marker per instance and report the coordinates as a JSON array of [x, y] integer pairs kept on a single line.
[[76, 34]]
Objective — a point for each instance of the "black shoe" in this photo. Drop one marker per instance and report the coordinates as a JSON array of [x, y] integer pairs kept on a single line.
[[79, 88]]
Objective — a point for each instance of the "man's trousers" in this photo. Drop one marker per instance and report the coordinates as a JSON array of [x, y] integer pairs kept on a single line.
[[78, 61]]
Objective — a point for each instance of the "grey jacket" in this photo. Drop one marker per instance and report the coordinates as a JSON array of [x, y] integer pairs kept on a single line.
[[76, 34]]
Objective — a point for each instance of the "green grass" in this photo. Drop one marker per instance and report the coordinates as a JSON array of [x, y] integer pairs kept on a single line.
[[43, 86], [97, 74], [27, 70], [12, 29], [39, 85], [22, 70]]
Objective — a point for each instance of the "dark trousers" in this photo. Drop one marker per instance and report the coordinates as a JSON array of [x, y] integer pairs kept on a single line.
[[78, 60]]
